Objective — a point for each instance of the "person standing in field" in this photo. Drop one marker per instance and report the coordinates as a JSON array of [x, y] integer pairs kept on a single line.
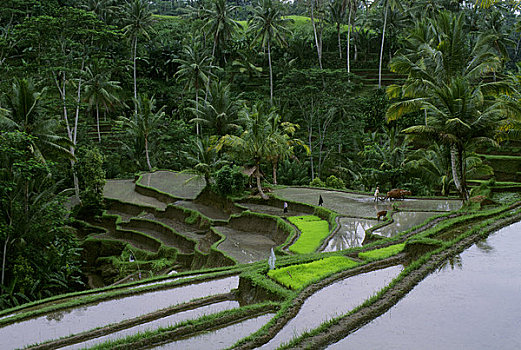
[[285, 207], [376, 193], [320, 200]]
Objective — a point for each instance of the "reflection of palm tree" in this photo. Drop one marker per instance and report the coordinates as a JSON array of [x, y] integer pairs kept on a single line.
[[452, 262]]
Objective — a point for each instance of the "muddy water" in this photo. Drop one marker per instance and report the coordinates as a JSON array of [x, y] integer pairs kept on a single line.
[[161, 323], [64, 323], [359, 205], [180, 185], [350, 234], [473, 304], [403, 221], [222, 338], [332, 301], [124, 191], [245, 247]]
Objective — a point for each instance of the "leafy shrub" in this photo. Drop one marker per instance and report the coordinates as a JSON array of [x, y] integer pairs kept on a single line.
[[335, 182], [317, 182], [91, 178], [293, 173], [298, 276], [229, 180]]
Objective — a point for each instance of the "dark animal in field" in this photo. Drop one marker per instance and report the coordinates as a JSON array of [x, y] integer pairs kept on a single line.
[[380, 214], [397, 194]]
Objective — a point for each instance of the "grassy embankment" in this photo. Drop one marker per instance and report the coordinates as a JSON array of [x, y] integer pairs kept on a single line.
[[313, 231]]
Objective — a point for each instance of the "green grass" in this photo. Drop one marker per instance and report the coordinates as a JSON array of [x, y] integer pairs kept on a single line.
[[299, 276], [313, 231], [500, 157], [382, 253]]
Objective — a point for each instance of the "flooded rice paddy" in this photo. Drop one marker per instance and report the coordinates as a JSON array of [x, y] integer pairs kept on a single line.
[[245, 247], [222, 338], [179, 185], [360, 205], [161, 323], [81, 319], [351, 233], [472, 302], [402, 221], [332, 301]]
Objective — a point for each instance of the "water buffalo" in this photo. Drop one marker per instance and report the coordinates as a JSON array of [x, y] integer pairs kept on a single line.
[[397, 193]]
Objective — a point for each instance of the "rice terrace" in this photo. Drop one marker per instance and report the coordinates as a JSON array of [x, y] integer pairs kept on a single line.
[[260, 174]]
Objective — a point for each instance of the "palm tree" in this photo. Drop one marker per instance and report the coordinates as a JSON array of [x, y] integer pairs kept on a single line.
[[138, 21], [446, 82], [268, 25], [283, 143], [254, 145], [386, 4], [24, 113], [220, 112], [219, 24], [100, 90], [143, 125], [337, 10], [196, 70]]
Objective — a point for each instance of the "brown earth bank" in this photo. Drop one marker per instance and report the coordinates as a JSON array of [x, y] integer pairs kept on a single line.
[[350, 323]]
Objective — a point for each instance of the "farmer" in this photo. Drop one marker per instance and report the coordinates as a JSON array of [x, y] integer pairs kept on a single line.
[[376, 193], [320, 200], [285, 207]]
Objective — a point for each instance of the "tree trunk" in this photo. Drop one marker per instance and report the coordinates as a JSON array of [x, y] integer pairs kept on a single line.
[[382, 49], [147, 155], [271, 73], [339, 43], [348, 42], [456, 160], [197, 109], [318, 43], [4, 259], [259, 186], [275, 165], [135, 74], [97, 123]]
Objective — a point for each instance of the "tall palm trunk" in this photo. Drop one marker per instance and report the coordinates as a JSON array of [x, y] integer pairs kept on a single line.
[[348, 62], [135, 74], [258, 177], [382, 49], [271, 73], [456, 161], [146, 154], [4, 259], [318, 36], [338, 38], [97, 122], [275, 164]]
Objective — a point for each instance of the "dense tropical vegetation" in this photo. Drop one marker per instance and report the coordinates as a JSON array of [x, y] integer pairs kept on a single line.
[[340, 93]]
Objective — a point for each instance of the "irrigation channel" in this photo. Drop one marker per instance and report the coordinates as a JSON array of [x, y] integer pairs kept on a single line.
[[473, 301], [223, 302]]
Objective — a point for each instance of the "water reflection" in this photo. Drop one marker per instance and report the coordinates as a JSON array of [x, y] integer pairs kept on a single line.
[[350, 234], [474, 306], [403, 221], [451, 263]]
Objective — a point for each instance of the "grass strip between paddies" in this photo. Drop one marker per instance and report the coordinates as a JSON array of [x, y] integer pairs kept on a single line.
[[382, 253], [299, 276], [313, 231]]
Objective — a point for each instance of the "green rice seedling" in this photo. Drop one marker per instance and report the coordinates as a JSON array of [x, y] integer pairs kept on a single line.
[[382, 253], [313, 231], [299, 276]]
